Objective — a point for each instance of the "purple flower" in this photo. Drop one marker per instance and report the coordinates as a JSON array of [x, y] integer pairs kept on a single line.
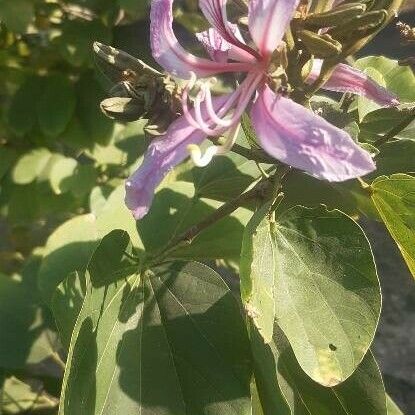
[[286, 130]]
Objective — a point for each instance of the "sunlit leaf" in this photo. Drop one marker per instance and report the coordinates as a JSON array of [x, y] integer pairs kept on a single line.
[[327, 294], [31, 165], [394, 197], [258, 270]]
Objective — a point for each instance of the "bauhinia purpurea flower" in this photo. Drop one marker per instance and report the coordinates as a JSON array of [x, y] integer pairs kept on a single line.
[[286, 130]]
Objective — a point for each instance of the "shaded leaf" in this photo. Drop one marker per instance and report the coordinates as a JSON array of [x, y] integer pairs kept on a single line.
[[362, 393], [21, 114], [70, 247], [175, 209], [17, 14], [56, 105], [177, 326], [24, 336]]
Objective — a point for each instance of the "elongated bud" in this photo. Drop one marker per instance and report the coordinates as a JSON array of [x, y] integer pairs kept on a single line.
[[138, 91], [338, 16], [121, 109], [355, 28], [321, 46]]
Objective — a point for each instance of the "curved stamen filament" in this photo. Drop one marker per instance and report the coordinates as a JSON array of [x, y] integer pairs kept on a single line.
[[203, 160], [214, 125]]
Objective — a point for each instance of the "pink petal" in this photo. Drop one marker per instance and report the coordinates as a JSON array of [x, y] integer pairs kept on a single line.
[[162, 155], [170, 54], [348, 79], [268, 21], [215, 13], [217, 47], [298, 137]]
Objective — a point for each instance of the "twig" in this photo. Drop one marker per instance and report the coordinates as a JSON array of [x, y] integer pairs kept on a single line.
[[396, 130]]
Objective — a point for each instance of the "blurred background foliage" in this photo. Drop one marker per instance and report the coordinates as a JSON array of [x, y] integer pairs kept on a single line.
[[63, 166]]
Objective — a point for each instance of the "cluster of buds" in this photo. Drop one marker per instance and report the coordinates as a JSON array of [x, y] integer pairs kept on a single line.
[[318, 31], [138, 91], [407, 34]]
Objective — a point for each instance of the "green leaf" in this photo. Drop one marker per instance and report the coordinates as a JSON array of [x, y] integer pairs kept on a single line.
[[361, 393], [381, 121], [137, 9], [327, 294], [168, 341], [25, 338], [395, 157], [258, 270], [31, 165], [365, 105], [177, 207], [393, 409], [21, 115], [75, 42], [66, 305], [62, 169], [7, 158], [56, 105], [16, 15], [98, 127], [18, 397], [70, 247], [394, 198], [67, 175], [398, 79]]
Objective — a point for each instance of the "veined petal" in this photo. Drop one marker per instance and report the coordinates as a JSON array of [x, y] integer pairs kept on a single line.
[[162, 155], [217, 47], [298, 137], [170, 54], [216, 14], [348, 79], [268, 21]]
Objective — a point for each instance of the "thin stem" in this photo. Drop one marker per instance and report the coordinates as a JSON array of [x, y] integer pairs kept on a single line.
[[264, 190], [257, 155], [396, 130]]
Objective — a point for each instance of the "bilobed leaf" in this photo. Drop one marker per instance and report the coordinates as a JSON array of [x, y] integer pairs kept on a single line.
[[166, 341], [362, 393], [394, 197], [258, 269], [327, 294], [56, 105]]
